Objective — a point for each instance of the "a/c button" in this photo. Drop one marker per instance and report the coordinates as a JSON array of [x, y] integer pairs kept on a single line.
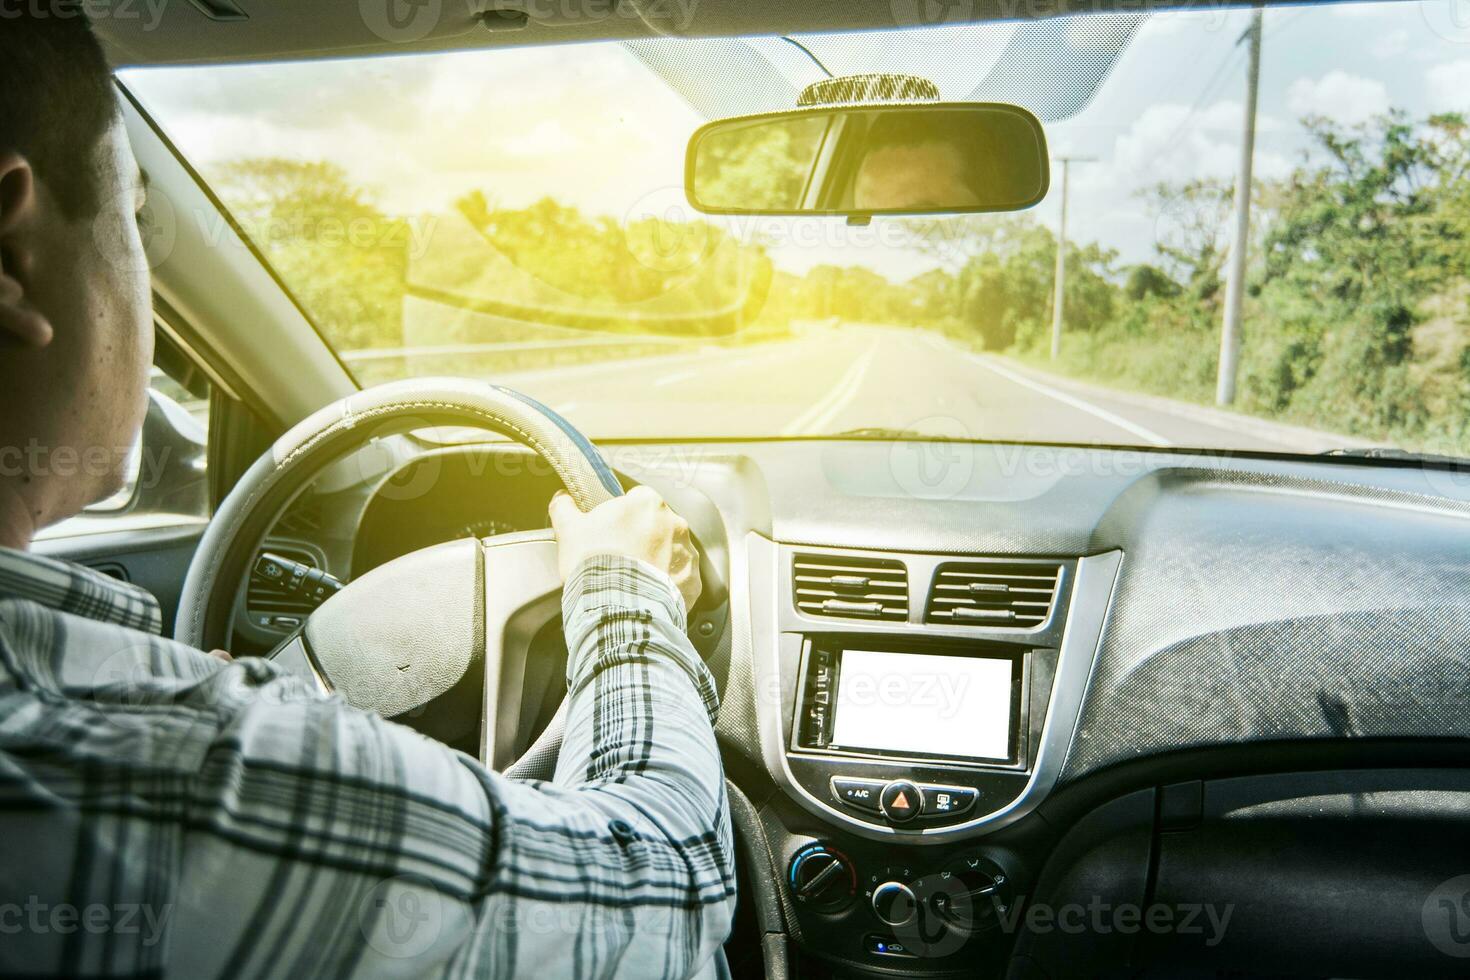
[[861, 794]]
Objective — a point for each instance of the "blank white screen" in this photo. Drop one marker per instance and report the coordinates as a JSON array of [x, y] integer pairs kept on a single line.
[[924, 704]]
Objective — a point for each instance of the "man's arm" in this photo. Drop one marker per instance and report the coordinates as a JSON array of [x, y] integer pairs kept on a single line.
[[622, 865]]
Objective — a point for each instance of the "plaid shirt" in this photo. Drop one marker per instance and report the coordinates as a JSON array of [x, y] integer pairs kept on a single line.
[[162, 812]]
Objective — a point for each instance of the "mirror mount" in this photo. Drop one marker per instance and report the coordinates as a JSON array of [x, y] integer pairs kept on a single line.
[[873, 88]]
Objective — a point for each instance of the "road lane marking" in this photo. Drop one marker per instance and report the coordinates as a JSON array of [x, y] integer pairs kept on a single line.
[[673, 379], [1077, 403], [815, 419]]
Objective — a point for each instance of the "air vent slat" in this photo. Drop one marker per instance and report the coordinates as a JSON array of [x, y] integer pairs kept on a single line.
[[995, 586], [862, 570], [1002, 594], [844, 587], [876, 583]]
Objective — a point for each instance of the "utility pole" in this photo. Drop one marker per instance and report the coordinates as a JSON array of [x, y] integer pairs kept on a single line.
[[1061, 276], [1235, 279]]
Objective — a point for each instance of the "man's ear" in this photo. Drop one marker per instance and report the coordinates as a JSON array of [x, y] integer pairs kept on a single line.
[[21, 324]]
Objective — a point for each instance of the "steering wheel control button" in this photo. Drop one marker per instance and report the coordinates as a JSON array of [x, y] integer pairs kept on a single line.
[[901, 801], [281, 571], [894, 903], [860, 794], [947, 801], [295, 578]]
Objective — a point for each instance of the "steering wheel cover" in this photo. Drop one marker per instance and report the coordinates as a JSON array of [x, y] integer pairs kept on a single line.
[[273, 481]]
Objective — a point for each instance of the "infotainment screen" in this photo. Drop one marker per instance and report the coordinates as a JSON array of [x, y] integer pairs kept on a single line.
[[924, 704]]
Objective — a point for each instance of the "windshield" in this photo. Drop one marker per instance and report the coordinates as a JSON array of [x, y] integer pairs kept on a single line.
[[519, 214]]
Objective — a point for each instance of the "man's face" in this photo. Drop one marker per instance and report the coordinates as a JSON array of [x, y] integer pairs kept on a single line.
[[912, 177], [76, 404]]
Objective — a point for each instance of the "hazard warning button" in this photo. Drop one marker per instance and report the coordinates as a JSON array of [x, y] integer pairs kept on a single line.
[[900, 801]]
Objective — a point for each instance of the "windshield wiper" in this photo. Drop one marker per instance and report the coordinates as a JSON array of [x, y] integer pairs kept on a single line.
[[1394, 453]]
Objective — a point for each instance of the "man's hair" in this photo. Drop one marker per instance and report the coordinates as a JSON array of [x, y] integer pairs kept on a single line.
[[948, 129], [56, 99]]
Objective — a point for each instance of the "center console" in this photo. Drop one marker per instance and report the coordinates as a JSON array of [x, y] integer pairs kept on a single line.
[[910, 705], [915, 735]]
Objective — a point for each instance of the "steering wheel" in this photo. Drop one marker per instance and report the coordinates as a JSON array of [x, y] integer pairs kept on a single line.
[[410, 630]]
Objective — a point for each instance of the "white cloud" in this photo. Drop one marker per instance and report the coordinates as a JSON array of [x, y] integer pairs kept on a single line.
[[1338, 95], [1449, 87], [1166, 143], [546, 138]]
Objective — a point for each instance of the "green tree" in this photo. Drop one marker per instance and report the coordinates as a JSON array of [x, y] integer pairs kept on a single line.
[[342, 256]]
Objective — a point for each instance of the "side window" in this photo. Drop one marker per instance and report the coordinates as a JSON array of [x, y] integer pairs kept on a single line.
[[166, 484]]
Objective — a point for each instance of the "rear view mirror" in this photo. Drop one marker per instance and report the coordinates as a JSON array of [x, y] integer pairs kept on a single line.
[[861, 160]]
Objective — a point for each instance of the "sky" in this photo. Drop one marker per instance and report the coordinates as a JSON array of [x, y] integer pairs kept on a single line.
[[591, 126]]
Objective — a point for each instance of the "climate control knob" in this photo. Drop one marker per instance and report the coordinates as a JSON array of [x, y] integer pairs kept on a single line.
[[894, 903], [823, 878]]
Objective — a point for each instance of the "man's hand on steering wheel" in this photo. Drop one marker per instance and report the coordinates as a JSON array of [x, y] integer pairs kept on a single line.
[[637, 525]]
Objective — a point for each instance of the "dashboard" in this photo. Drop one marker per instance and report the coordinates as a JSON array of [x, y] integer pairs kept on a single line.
[[1062, 677]]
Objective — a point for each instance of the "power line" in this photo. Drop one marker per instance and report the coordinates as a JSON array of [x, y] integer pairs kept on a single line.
[[1206, 93], [1278, 26]]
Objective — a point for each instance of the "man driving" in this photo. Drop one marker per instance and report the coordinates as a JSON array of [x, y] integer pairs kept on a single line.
[[210, 817]]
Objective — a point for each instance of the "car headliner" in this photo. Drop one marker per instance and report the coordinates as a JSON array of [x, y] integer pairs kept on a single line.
[[155, 32]]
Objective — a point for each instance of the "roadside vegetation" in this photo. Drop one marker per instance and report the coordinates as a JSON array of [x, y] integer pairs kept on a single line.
[[1357, 316]]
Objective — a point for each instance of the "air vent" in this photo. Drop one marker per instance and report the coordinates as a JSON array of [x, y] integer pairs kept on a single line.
[[851, 588], [1013, 594], [265, 598]]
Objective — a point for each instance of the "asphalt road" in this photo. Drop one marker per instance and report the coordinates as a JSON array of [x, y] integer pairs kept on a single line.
[[831, 379]]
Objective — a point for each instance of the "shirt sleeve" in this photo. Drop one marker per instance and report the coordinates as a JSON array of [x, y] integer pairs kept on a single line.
[[312, 818]]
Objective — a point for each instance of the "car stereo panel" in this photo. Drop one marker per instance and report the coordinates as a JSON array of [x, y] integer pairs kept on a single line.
[[913, 733]]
